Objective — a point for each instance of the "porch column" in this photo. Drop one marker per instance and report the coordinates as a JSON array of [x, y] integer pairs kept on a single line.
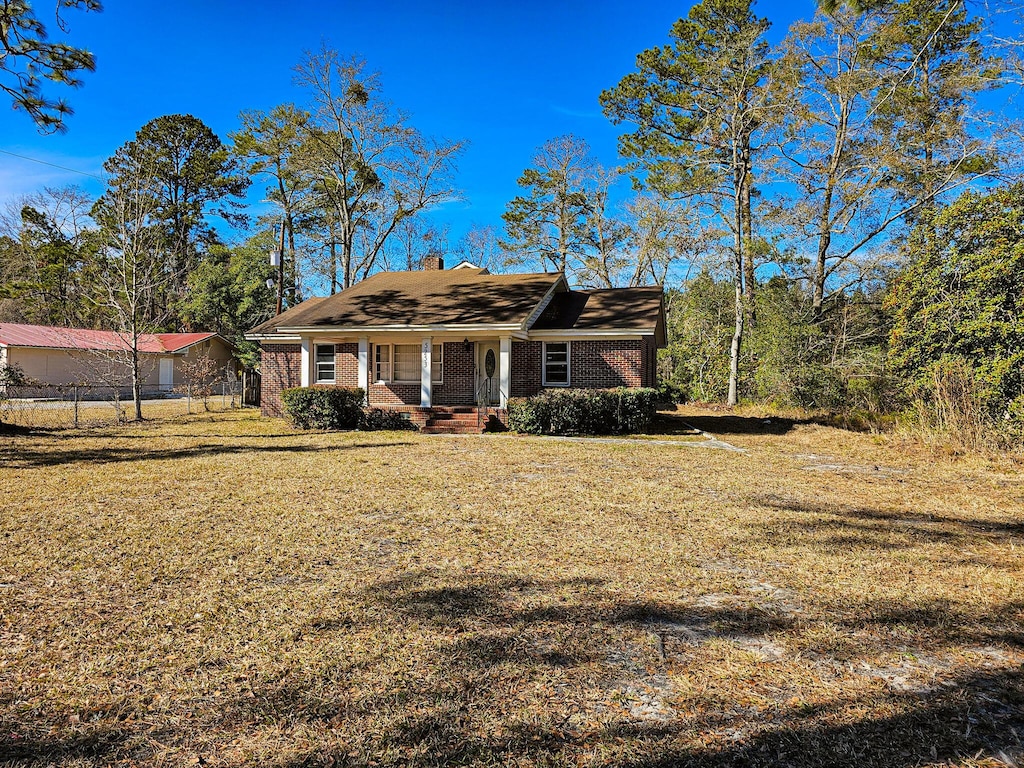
[[425, 377], [505, 370], [363, 382], [306, 361]]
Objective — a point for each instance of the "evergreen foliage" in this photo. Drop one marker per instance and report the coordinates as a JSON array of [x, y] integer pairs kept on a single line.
[[960, 300], [583, 411]]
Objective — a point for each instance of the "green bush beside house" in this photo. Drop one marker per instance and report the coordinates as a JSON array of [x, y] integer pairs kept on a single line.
[[583, 411]]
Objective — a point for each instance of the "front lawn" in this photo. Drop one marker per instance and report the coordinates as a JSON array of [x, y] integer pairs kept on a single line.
[[223, 590]]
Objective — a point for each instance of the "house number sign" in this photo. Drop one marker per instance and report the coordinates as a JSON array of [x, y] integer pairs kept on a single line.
[[489, 363]]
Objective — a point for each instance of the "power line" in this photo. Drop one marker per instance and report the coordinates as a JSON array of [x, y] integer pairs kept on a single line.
[[52, 165]]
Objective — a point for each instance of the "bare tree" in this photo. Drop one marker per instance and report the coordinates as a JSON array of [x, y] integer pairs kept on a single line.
[[127, 274], [373, 169]]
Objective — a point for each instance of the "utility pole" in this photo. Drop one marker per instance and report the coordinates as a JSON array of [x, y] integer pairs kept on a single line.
[[280, 271]]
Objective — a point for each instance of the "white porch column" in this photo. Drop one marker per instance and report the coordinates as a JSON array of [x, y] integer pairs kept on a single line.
[[504, 370], [425, 377], [363, 382], [307, 361]]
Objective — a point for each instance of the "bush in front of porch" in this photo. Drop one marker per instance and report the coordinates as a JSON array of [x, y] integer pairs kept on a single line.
[[337, 408], [583, 411]]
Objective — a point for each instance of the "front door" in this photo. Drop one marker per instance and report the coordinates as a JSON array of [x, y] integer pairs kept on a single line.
[[166, 374], [488, 373]]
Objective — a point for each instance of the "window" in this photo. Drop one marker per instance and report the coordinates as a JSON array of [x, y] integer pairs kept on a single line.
[[407, 363], [324, 362], [437, 363], [556, 364], [382, 366]]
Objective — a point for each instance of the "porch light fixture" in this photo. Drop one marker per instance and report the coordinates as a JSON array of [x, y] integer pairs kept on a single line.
[[467, 344]]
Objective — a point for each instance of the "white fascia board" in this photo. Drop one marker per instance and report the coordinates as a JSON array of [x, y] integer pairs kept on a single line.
[[625, 334], [369, 330], [272, 338]]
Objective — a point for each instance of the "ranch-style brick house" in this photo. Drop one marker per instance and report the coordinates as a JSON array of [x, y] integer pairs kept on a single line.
[[436, 343]]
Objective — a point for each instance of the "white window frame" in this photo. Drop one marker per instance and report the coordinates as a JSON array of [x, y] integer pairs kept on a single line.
[[435, 360], [544, 364], [316, 364]]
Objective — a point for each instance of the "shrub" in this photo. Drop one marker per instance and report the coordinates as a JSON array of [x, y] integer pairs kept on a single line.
[[583, 411], [376, 419], [324, 407], [671, 392]]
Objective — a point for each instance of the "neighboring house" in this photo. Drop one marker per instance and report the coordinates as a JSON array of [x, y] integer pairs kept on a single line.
[[53, 357], [462, 337]]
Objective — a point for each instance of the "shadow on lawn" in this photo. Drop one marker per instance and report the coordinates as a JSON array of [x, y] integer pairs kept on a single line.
[[469, 701], [93, 745], [666, 423], [21, 457], [919, 525], [492, 668]]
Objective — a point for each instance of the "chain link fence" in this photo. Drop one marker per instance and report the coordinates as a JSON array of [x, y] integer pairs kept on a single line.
[[75, 406]]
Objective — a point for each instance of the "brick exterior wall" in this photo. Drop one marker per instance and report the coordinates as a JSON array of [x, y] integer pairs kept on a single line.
[[280, 368], [346, 365], [526, 374], [650, 356], [459, 386], [605, 364], [593, 365]]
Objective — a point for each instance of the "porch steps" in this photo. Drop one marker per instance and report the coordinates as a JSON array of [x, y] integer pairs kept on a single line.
[[451, 420], [454, 421]]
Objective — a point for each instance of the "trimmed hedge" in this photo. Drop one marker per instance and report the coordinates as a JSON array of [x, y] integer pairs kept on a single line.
[[338, 408], [583, 411], [324, 407]]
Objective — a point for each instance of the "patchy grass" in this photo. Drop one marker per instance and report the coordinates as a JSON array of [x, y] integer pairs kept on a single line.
[[222, 590]]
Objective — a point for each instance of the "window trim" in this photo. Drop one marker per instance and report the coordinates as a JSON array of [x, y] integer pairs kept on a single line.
[[544, 364], [316, 364], [391, 363]]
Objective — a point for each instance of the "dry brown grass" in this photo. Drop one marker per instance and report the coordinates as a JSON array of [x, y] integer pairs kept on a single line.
[[222, 590]]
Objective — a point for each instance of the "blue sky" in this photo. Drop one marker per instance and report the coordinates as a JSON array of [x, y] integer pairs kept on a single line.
[[505, 76]]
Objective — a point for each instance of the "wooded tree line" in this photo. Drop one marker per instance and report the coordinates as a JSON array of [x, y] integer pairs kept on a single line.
[[776, 190]]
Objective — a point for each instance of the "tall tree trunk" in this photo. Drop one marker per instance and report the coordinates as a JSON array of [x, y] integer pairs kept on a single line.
[[737, 277], [747, 224]]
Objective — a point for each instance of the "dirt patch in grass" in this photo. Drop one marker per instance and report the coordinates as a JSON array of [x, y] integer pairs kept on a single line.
[[223, 590]]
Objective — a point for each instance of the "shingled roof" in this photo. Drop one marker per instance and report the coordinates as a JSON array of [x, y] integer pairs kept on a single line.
[[436, 297], [610, 309]]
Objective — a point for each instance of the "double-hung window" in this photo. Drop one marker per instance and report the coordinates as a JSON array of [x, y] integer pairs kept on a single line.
[[324, 363], [402, 363], [556, 364]]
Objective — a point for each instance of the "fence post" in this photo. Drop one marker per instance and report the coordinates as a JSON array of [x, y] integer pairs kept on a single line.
[[76, 406]]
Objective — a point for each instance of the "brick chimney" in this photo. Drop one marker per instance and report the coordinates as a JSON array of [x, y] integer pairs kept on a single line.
[[433, 263]]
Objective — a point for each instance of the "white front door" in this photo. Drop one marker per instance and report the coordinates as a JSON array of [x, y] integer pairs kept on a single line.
[[488, 372], [166, 374]]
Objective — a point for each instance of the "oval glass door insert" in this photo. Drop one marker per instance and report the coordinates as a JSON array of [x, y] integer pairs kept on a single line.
[[489, 363]]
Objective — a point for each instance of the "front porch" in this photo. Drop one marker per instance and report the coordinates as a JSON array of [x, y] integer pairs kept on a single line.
[[454, 420], [397, 371]]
